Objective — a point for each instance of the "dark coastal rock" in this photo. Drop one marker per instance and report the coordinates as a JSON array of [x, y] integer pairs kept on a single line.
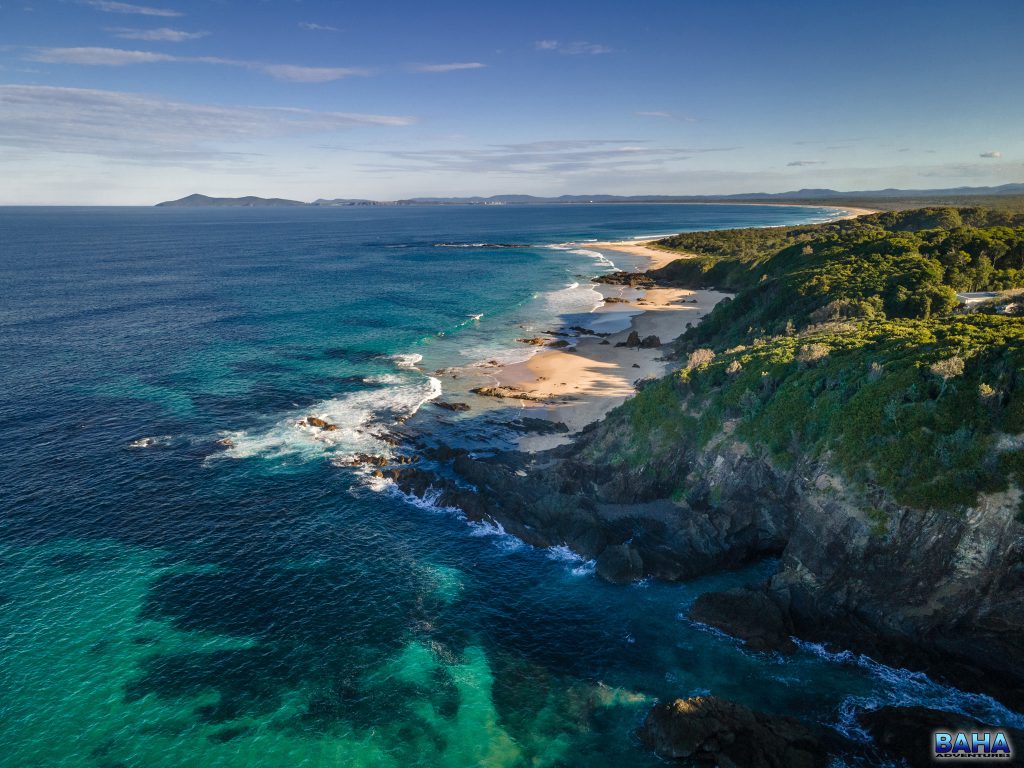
[[315, 421], [620, 564], [709, 730], [363, 459], [226, 442], [536, 341], [650, 342], [748, 614], [633, 340], [559, 344], [636, 365], [906, 733], [506, 392], [616, 300], [632, 279], [445, 405], [538, 426]]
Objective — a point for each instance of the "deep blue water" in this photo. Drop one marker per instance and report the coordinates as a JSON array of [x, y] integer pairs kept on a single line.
[[167, 601]]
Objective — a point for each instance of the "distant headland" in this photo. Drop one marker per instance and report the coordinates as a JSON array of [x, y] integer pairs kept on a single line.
[[880, 199]]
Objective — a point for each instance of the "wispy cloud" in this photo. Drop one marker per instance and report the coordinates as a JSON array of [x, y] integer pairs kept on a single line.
[[802, 163], [663, 115], [542, 157], [105, 57], [454, 67], [133, 128], [117, 57], [109, 6], [993, 155], [572, 49], [163, 34], [312, 26]]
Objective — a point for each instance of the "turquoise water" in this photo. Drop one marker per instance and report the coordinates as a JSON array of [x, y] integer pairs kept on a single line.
[[165, 601]]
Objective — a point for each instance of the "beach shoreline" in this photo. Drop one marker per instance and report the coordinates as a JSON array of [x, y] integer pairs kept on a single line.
[[579, 384]]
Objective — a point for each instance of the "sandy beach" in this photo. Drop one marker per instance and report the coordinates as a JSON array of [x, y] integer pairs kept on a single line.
[[578, 385]]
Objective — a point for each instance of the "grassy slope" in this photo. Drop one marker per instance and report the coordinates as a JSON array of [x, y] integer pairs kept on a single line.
[[844, 341]]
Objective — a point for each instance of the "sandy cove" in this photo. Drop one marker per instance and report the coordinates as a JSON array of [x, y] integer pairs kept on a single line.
[[579, 385]]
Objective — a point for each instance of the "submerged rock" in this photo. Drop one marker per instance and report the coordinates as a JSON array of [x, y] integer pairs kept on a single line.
[[449, 406], [709, 730], [538, 426]]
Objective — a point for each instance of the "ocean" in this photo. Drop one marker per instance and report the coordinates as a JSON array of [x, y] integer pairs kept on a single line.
[[166, 600]]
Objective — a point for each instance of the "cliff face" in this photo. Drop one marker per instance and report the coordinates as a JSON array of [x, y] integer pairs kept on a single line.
[[840, 413], [937, 591]]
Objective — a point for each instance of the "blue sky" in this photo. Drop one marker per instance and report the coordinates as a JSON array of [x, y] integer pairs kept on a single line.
[[129, 103]]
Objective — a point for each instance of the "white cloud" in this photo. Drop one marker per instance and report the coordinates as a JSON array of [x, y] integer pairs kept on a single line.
[[106, 57], [993, 155], [163, 34], [572, 49], [802, 163], [140, 129], [116, 57], [142, 10], [295, 73], [454, 67], [314, 27]]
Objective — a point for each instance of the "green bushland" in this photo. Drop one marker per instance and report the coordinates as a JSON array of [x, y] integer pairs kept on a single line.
[[846, 342]]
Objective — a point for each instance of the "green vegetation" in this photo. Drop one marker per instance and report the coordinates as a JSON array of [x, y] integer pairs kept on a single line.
[[845, 341]]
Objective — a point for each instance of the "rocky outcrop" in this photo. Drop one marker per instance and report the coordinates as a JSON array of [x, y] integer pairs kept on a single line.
[[926, 590], [318, 423], [932, 591], [748, 614], [906, 733], [447, 406], [709, 730], [505, 392], [620, 564], [634, 341], [631, 279]]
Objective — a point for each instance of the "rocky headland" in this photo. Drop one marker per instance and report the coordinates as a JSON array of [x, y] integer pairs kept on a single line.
[[842, 414]]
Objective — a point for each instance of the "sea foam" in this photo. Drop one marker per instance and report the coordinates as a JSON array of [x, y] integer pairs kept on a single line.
[[355, 415]]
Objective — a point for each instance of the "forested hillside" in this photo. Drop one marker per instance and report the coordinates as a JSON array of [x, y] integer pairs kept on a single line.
[[847, 341]]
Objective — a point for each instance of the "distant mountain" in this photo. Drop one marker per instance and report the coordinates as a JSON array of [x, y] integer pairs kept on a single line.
[[340, 202], [799, 194], [802, 195], [202, 201]]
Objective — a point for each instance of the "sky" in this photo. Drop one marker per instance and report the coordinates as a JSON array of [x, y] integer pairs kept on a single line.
[[122, 103]]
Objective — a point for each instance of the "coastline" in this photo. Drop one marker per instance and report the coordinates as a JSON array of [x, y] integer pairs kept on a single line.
[[579, 384]]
